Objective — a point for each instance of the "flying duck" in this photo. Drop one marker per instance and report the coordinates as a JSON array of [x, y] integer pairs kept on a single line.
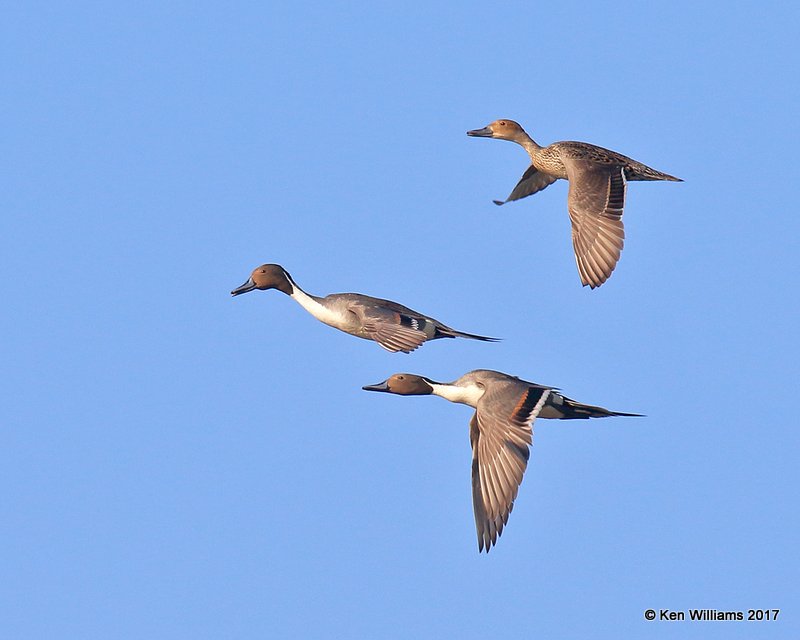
[[597, 179], [500, 432], [391, 325]]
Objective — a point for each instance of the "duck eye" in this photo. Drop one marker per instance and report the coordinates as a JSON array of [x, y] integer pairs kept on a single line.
[[263, 271]]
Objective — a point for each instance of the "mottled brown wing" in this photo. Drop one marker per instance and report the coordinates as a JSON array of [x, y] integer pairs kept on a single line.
[[595, 202], [532, 181], [500, 434]]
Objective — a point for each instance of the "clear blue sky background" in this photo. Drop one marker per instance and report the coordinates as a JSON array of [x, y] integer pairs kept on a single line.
[[179, 464]]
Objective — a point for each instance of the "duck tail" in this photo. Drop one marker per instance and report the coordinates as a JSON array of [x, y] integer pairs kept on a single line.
[[447, 332], [573, 410], [640, 171]]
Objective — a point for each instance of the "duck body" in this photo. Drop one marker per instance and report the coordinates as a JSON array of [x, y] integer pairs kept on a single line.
[[597, 179], [501, 432], [551, 160], [393, 326]]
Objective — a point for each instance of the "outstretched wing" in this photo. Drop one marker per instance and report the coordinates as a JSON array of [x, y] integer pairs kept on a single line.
[[596, 200], [500, 433], [532, 181]]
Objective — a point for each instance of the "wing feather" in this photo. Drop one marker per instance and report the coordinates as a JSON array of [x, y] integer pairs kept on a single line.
[[392, 329], [532, 181], [501, 434], [596, 201]]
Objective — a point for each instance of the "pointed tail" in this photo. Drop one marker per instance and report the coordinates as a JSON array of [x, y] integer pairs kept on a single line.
[[447, 332], [573, 410], [639, 171]]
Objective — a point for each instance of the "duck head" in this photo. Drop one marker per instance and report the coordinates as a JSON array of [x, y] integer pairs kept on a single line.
[[267, 276], [404, 384], [500, 129]]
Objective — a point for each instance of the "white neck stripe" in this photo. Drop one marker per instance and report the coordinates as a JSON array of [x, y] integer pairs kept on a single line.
[[463, 395]]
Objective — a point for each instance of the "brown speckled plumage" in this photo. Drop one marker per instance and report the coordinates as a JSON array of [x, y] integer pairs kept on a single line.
[[597, 178]]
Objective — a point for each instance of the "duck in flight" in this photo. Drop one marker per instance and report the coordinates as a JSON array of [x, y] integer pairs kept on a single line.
[[391, 325], [500, 432], [597, 179]]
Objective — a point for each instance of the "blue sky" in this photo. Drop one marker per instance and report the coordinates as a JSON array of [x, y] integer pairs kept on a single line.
[[180, 464]]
